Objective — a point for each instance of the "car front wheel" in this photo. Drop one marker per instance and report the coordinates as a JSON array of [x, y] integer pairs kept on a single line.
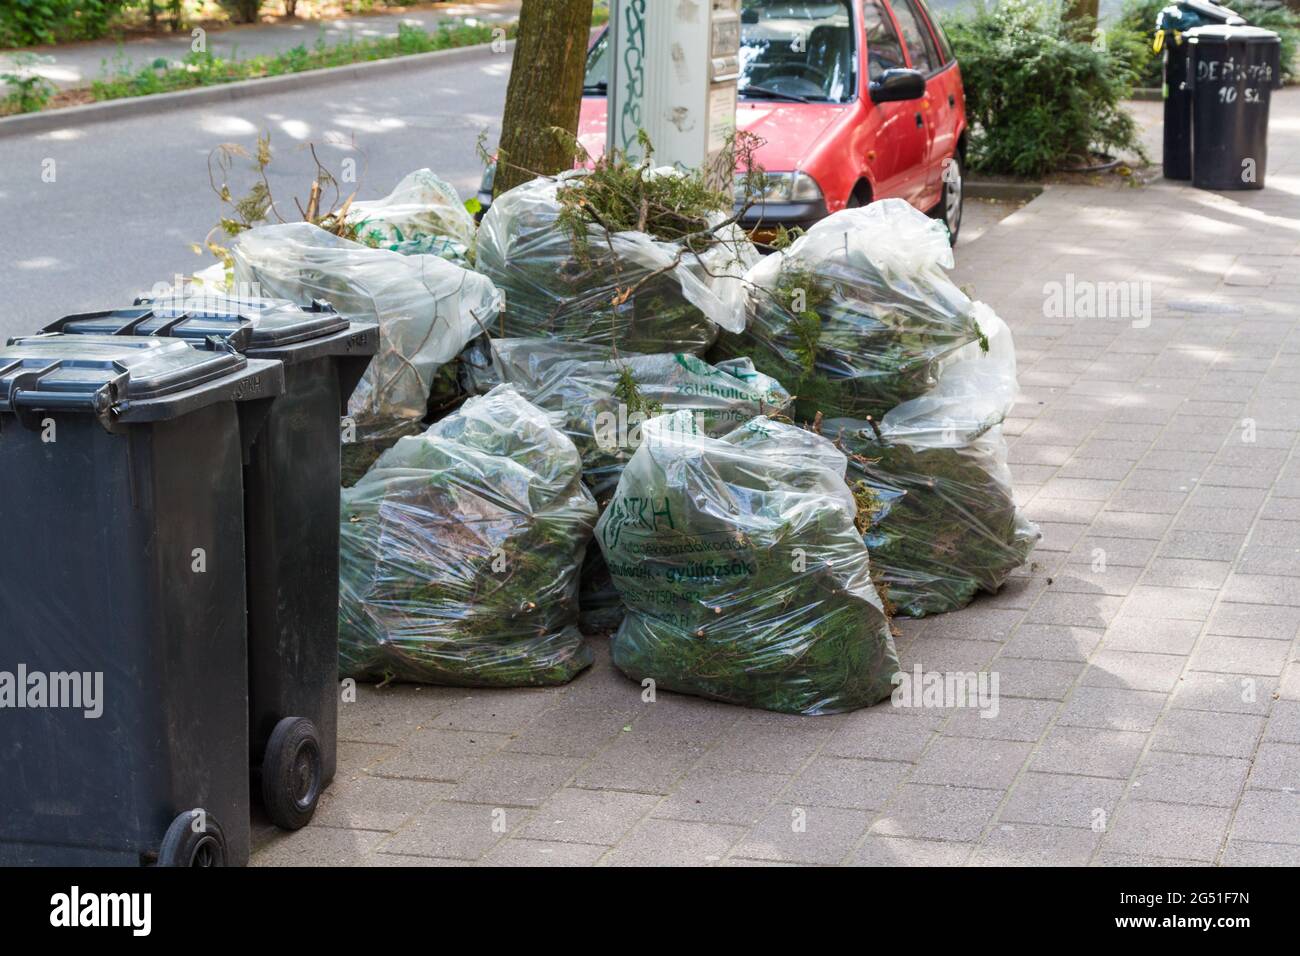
[[948, 209]]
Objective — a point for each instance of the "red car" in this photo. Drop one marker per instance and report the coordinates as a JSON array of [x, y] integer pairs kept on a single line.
[[856, 100]]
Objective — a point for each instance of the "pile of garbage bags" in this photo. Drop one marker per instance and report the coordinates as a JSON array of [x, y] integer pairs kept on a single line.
[[460, 553], [622, 290], [759, 513], [743, 571], [857, 315]]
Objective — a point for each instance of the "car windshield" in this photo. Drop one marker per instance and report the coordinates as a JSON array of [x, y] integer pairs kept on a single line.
[[788, 51]]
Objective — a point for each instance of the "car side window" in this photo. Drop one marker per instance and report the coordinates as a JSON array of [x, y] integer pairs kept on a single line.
[[945, 45], [920, 45], [884, 49]]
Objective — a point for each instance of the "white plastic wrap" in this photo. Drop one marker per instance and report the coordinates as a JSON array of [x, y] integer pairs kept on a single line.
[[427, 309], [422, 215]]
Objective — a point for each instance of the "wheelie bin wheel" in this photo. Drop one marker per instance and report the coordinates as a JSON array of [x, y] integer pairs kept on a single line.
[[292, 773], [183, 845]]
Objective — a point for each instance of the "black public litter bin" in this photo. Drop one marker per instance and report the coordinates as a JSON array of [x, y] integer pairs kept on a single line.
[[291, 494], [123, 674], [1171, 24], [1232, 71]]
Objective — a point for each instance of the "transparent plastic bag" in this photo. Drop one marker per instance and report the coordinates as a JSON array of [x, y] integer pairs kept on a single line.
[[858, 315], [423, 215], [946, 524], [557, 288], [460, 552], [427, 309], [744, 575], [602, 413]]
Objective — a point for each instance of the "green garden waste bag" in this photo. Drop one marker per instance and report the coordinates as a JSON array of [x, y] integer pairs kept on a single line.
[[460, 553], [743, 571], [625, 290], [857, 315], [945, 525]]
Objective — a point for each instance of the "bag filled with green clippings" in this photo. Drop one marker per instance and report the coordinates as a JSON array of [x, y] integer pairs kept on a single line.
[[744, 572], [635, 290], [604, 401], [945, 525], [460, 553], [857, 315]]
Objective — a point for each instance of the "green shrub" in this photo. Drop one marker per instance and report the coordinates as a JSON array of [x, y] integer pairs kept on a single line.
[[30, 22], [1138, 18], [1282, 20], [1041, 93]]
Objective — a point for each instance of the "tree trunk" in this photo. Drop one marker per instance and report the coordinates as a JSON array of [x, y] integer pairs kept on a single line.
[[545, 91], [1084, 12]]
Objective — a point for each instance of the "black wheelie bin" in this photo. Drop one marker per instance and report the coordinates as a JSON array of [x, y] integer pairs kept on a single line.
[[291, 493], [123, 672], [1172, 24], [1232, 72]]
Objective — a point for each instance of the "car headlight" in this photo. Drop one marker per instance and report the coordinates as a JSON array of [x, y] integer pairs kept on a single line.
[[783, 187]]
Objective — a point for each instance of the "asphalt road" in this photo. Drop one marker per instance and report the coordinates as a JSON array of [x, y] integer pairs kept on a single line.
[[128, 197]]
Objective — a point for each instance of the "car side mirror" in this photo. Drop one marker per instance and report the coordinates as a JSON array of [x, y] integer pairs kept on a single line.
[[895, 85]]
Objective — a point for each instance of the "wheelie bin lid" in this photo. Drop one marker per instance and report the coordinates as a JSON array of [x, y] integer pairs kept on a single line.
[[136, 379], [1231, 33], [260, 327]]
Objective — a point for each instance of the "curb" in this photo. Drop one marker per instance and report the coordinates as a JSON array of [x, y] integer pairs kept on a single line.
[[1155, 94], [988, 189], [47, 120]]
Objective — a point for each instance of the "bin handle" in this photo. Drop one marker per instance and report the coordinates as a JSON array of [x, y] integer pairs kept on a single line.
[[34, 398]]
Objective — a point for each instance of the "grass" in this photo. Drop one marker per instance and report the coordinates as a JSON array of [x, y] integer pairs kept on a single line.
[[204, 69]]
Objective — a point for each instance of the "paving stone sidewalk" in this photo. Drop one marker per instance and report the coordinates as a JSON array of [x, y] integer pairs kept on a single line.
[[79, 64], [1148, 662]]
